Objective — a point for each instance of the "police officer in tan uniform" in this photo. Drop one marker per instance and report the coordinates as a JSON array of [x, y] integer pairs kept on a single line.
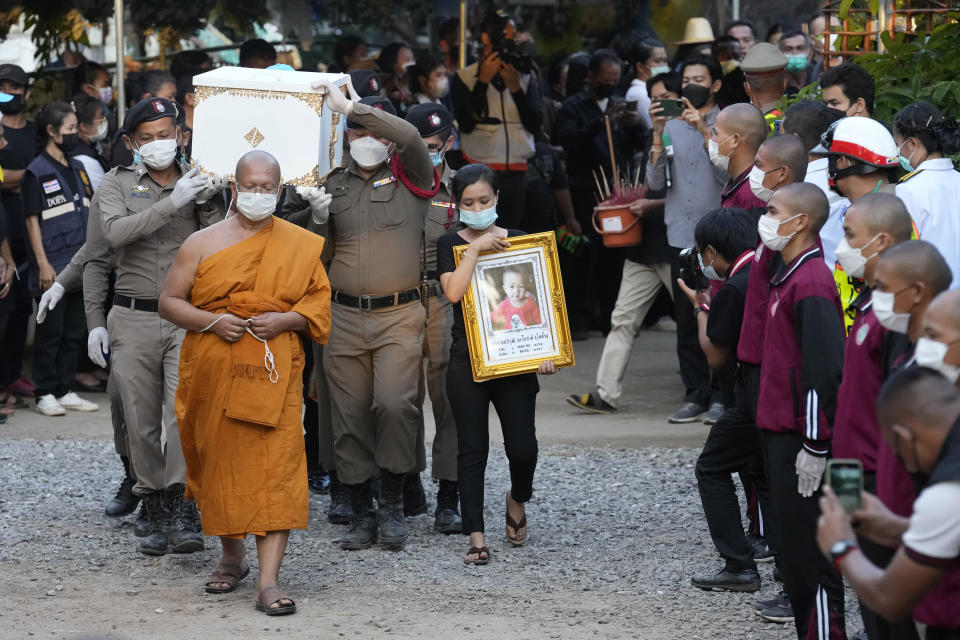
[[147, 210], [435, 125], [374, 246]]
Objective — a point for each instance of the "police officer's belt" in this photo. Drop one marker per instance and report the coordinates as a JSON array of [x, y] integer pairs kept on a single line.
[[366, 303], [135, 304]]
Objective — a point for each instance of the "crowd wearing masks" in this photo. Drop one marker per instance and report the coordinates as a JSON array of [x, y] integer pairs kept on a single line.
[[806, 253]]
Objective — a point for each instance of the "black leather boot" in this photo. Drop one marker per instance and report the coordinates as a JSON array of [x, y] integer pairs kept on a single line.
[[363, 523], [141, 526], [125, 502], [181, 531], [155, 542], [390, 519], [414, 497], [446, 519], [340, 510]]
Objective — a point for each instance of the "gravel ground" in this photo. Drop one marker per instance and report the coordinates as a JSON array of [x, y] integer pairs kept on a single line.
[[615, 535]]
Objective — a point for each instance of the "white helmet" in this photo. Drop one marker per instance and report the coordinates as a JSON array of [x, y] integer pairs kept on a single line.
[[861, 139]]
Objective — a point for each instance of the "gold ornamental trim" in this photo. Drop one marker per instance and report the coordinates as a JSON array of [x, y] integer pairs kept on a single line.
[[309, 179], [312, 100]]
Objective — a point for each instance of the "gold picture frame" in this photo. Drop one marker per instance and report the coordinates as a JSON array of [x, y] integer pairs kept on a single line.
[[506, 339]]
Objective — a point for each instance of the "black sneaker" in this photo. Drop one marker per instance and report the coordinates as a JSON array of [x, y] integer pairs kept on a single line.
[[713, 413], [778, 609], [318, 481], [592, 403], [761, 550], [747, 581], [689, 412]]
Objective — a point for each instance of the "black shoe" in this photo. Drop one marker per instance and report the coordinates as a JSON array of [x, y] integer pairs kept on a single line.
[[748, 580], [182, 530], [155, 542], [141, 526], [390, 512], [689, 412], [363, 523], [340, 510], [592, 403], [318, 481], [446, 519], [776, 609], [713, 413], [414, 497], [761, 550], [124, 502]]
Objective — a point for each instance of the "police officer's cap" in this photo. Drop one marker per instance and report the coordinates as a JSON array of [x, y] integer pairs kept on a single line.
[[429, 119], [366, 82], [763, 59], [148, 110], [377, 102]]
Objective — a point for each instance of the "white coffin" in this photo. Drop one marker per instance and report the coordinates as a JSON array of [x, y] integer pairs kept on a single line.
[[240, 109]]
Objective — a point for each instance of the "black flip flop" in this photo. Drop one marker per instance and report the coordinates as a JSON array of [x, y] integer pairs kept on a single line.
[[229, 573], [479, 560]]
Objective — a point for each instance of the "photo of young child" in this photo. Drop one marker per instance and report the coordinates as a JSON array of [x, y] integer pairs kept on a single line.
[[519, 308]]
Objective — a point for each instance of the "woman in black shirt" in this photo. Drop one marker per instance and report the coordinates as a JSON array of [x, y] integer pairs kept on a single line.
[[513, 397]]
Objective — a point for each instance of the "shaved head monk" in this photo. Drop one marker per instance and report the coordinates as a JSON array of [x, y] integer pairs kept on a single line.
[[244, 289]]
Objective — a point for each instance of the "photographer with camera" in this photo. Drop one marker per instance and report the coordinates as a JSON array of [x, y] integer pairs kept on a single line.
[[725, 241], [496, 102]]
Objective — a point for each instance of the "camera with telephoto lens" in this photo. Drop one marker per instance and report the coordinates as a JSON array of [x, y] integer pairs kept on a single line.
[[514, 55], [690, 271]]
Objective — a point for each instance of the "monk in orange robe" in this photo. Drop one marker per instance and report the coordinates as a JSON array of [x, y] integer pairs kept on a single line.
[[244, 289]]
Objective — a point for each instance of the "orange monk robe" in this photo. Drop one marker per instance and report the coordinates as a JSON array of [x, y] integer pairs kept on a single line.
[[242, 434]]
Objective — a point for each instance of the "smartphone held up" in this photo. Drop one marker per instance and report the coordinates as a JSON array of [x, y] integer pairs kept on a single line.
[[845, 477]]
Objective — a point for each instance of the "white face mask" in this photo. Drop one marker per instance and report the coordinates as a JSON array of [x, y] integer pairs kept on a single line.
[[883, 302], [101, 132], [256, 206], [159, 154], [852, 260], [930, 353], [756, 184], [440, 87], [719, 160], [368, 152], [655, 71], [769, 228]]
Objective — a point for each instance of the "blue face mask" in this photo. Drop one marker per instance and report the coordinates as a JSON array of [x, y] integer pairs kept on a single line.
[[479, 220], [436, 158]]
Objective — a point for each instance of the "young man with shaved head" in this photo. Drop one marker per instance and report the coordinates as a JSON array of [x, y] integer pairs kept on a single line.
[[738, 132], [873, 224], [937, 347], [243, 290], [780, 160], [919, 413], [802, 361]]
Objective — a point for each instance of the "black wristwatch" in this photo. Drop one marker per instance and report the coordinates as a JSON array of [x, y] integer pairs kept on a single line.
[[839, 550]]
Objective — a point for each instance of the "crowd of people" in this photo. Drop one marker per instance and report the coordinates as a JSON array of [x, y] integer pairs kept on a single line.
[[806, 253]]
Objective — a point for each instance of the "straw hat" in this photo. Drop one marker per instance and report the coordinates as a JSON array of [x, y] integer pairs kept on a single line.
[[698, 30]]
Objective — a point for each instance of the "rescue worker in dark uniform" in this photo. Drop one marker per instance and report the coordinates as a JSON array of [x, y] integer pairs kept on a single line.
[[374, 244], [147, 210], [435, 125]]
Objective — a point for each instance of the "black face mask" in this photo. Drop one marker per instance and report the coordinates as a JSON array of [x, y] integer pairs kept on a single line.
[[13, 107], [697, 95], [69, 143], [604, 90]]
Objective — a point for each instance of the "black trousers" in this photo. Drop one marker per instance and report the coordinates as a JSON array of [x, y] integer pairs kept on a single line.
[[694, 371], [15, 337], [815, 589], [311, 422], [733, 446], [876, 626], [56, 346], [511, 199], [514, 398]]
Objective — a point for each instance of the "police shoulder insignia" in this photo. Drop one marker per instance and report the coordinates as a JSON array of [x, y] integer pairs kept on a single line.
[[862, 333], [909, 175]]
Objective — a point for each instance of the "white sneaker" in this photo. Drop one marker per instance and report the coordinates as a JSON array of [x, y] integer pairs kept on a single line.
[[48, 406], [73, 402]]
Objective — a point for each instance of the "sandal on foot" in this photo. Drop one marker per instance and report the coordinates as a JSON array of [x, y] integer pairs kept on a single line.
[[515, 539], [479, 551], [227, 573], [273, 595]]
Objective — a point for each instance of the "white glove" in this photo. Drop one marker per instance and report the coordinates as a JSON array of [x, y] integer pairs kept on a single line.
[[319, 201], [809, 471], [335, 98], [98, 346], [49, 300], [187, 187], [212, 188]]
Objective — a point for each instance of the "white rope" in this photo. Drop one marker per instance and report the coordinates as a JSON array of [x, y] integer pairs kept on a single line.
[[268, 361]]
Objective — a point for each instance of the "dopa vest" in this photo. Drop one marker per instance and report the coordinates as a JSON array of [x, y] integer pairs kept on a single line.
[[63, 219]]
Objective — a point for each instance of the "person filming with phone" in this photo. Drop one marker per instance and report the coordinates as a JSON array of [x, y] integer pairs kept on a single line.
[[919, 413]]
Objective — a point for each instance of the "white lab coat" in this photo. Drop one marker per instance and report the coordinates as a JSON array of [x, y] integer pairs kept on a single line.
[[832, 231], [932, 196]]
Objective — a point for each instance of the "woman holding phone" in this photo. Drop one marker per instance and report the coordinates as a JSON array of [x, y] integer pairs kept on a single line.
[[514, 398]]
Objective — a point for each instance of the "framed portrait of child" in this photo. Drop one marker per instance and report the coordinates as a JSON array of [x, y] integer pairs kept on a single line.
[[514, 311]]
